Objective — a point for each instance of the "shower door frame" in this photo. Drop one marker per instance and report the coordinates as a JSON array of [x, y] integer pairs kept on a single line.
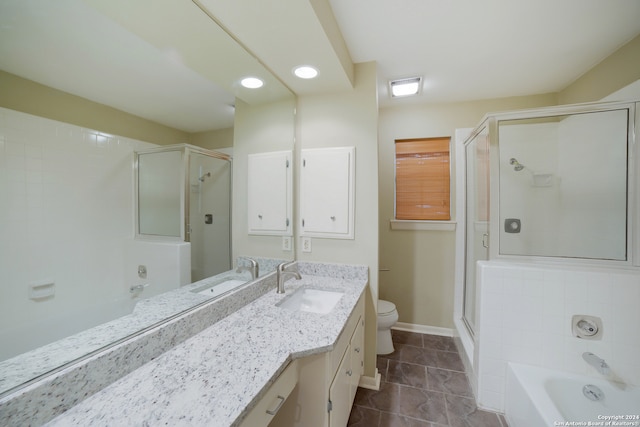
[[632, 224], [189, 149]]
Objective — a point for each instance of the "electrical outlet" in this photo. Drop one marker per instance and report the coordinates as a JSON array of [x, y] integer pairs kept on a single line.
[[286, 243], [306, 244]]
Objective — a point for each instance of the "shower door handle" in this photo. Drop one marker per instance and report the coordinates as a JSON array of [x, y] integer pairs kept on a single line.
[[485, 241]]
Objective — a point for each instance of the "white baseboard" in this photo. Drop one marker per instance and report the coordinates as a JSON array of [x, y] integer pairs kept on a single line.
[[371, 383], [424, 329]]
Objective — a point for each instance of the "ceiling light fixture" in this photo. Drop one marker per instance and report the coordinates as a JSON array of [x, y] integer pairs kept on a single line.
[[251, 82], [405, 87], [305, 72]]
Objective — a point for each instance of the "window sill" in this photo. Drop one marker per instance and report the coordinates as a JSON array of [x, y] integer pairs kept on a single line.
[[397, 224]]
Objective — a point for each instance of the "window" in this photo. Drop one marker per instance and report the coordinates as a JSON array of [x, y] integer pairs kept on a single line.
[[422, 179]]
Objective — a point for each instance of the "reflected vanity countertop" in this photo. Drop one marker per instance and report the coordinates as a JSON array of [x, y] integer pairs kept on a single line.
[[219, 374], [146, 312]]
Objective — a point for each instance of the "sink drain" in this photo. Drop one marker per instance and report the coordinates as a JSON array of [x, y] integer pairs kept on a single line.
[[593, 392]]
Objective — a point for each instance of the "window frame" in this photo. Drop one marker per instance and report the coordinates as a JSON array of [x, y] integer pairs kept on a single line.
[[424, 224]]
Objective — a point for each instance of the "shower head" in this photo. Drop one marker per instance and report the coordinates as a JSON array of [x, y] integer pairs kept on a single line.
[[201, 179], [517, 166]]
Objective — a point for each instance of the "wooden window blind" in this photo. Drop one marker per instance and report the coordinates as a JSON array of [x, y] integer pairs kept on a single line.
[[422, 179]]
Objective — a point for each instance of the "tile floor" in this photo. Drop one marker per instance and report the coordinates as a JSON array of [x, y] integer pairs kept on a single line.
[[423, 385]]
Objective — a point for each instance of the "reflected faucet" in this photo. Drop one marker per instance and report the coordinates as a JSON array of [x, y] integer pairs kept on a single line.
[[598, 363], [254, 269], [281, 275]]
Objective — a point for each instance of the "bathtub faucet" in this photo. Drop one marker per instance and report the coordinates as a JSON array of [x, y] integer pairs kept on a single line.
[[593, 360], [253, 269], [138, 288]]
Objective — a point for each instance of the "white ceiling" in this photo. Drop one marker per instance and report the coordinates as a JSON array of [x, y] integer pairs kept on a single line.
[[471, 49], [464, 49], [163, 60], [160, 59]]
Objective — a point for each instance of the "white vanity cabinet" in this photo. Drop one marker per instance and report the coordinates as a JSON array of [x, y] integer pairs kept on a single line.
[[270, 404], [269, 193], [327, 192], [328, 382], [345, 383]]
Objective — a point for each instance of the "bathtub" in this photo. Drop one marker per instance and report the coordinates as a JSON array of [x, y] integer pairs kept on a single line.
[[537, 397]]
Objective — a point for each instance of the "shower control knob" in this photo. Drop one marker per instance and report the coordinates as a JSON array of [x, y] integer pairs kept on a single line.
[[587, 328], [512, 225]]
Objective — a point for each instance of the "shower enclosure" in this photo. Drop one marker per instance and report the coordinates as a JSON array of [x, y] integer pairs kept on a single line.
[[183, 193], [550, 185]]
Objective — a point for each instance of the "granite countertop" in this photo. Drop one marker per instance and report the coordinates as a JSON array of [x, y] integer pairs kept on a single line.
[[218, 375]]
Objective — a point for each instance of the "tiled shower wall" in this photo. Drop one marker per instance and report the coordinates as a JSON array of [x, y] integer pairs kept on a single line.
[[525, 317], [66, 208]]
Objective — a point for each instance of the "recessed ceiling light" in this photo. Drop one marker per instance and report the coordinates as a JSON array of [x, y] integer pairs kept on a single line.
[[251, 82], [305, 72], [405, 87]]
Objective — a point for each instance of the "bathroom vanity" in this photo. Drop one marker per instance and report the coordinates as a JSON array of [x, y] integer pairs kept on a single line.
[[328, 381], [317, 390], [234, 371]]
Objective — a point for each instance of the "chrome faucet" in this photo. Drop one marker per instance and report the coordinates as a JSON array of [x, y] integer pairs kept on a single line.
[[254, 269], [281, 275], [598, 363]]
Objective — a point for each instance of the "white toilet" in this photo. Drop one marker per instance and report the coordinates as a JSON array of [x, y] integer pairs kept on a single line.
[[387, 317]]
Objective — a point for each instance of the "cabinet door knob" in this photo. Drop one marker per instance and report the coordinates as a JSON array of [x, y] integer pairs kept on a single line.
[[333, 218], [259, 216], [357, 349], [349, 372]]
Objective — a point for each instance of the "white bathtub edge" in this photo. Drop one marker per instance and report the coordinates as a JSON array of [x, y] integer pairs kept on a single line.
[[521, 410]]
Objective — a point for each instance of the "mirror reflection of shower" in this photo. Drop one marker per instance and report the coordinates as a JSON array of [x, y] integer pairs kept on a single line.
[[184, 191]]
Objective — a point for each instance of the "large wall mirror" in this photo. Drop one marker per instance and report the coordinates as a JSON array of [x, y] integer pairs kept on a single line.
[[86, 84]]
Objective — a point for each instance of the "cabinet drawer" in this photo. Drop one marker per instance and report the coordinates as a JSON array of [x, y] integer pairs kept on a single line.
[[268, 406]]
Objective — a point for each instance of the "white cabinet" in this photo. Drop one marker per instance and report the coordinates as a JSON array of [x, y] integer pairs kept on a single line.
[[269, 193], [328, 382], [345, 383], [339, 392], [270, 404], [327, 192]]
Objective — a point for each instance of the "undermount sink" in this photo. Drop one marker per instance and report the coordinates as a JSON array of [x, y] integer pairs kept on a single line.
[[311, 300]]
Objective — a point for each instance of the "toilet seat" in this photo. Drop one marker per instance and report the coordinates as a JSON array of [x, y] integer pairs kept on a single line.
[[385, 307]]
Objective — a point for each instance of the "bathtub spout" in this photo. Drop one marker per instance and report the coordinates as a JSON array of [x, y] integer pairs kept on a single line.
[[598, 363]]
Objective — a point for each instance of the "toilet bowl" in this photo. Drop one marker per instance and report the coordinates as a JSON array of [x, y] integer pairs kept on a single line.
[[387, 317]]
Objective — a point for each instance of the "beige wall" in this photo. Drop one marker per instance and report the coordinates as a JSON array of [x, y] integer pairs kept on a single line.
[[214, 139], [340, 120], [420, 280], [29, 97], [258, 129], [618, 70]]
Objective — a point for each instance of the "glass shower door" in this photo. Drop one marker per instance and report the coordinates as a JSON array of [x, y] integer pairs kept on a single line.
[[159, 177], [209, 225], [477, 219]]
